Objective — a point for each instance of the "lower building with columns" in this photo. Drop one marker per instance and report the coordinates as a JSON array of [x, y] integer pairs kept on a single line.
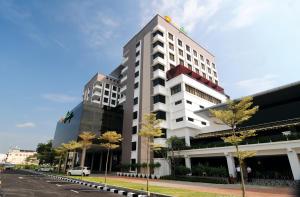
[[277, 143]]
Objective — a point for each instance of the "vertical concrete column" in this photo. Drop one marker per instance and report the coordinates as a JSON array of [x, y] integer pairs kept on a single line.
[[100, 164], [110, 161], [294, 163], [230, 165], [187, 139], [188, 162], [92, 163]]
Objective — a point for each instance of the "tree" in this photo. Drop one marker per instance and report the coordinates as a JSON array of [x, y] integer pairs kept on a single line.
[[111, 140], [234, 114], [45, 153], [150, 128], [71, 146], [60, 151], [86, 138], [32, 160], [174, 144]]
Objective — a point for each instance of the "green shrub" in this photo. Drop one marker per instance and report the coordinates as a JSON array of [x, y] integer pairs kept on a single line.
[[196, 179], [182, 170], [204, 170]]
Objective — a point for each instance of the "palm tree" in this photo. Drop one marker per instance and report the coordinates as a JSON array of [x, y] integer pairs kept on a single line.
[[86, 138], [111, 140], [71, 146], [60, 151]]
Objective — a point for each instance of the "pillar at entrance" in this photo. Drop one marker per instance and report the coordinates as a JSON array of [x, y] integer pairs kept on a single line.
[[230, 165], [294, 163], [187, 139], [188, 162]]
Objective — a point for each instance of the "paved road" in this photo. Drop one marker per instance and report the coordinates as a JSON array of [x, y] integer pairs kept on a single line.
[[23, 184]]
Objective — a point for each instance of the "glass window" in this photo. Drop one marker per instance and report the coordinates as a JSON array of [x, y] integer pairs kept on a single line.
[[191, 119], [201, 57], [196, 62], [138, 44], [213, 65], [171, 46], [171, 56], [135, 101], [137, 53], [107, 85], [197, 70], [188, 57], [178, 102], [202, 66], [157, 32], [106, 92], [190, 67], [160, 115], [170, 36], [158, 81], [189, 102], [135, 115], [207, 61], [158, 66], [113, 102], [180, 52], [137, 63], [134, 130], [179, 42], [133, 146], [136, 74], [181, 62], [159, 99], [179, 119], [136, 85], [114, 95], [175, 89], [158, 43], [195, 53], [105, 100], [158, 54], [187, 47]]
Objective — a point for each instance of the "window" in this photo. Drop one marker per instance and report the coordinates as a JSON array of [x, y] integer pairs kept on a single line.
[[175, 89], [136, 85], [209, 70], [158, 81], [133, 161], [201, 94], [216, 82], [188, 57], [136, 74], [196, 62], [135, 115], [107, 85], [190, 67], [172, 66], [179, 42], [210, 78], [114, 95], [157, 33], [207, 61], [201, 57], [203, 123], [159, 99], [170, 36], [158, 66], [195, 53], [135, 101], [178, 102], [213, 65], [191, 119], [114, 88], [179, 119], [137, 53], [181, 62], [187, 47], [197, 70], [137, 63], [134, 130], [133, 146], [160, 115], [164, 133], [189, 102], [138, 44], [106, 92], [215, 73], [180, 52], [113, 102], [202, 66], [171, 56], [158, 43], [105, 100], [201, 106], [158, 54], [204, 75], [171, 46]]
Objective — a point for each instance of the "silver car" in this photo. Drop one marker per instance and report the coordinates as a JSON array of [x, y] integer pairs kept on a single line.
[[79, 171]]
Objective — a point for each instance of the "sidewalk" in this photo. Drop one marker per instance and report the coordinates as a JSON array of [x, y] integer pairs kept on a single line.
[[229, 189]]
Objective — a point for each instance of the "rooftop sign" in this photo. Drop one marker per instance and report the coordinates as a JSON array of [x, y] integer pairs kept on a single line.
[[169, 20]]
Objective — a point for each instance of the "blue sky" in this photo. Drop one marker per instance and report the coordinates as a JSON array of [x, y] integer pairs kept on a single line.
[[49, 49]]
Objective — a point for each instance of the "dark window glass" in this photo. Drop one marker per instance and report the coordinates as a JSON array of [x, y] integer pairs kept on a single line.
[[114, 88], [158, 81], [179, 42], [190, 67], [136, 74], [113, 102], [195, 53], [171, 46], [138, 44], [134, 130], [137, 53], [188, 57], [181, 62], [135, 101], [135, 115], [107, 85], [172, 66], [188, 102], [105, 100], [159, 99], [175, 89], [137, 63], [178, 102], [187, 47], [201, 57], [158, 32], [136, 85], [204, 123], [133, 161], [133, 146], [158, 54], [201, 106], [179, 119], [158, 43], [106, 92], [158, 66], [201, 94], [180, 52], [160, 115], [164, 133], [114, 95], [170, 36], [191, 119]]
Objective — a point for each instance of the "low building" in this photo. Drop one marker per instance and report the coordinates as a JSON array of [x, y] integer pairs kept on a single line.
[[19, 156], [2, 158], [277, 143]]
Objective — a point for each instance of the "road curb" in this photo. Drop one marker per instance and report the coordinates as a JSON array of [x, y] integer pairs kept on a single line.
[[108, 188]]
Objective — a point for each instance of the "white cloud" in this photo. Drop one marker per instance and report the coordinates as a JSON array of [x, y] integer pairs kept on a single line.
[[255, 85], [247, 12], [61, 98], [26, 125], [186, 13]]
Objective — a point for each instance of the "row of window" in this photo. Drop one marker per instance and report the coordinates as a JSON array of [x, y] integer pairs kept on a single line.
[[201, 94], [189, 119], [189, 102]]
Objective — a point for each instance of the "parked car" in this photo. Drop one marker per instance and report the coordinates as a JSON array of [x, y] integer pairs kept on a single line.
[[79, 171], [45, 169]]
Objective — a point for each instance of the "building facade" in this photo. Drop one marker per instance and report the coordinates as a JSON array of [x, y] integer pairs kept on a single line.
[[19, 156]]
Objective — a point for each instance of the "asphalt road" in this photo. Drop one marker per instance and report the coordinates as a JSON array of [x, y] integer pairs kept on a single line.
[[23, 184]]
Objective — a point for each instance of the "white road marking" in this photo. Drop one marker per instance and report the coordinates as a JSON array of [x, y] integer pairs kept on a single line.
[[58, 185], [74, 191], [20, 177]]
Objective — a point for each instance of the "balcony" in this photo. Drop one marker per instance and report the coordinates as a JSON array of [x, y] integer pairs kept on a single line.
[[124, 69], [96, 101], [122, 100], [159, 48], [96, 94], [125, 59], [159, 73], [123, 88], [158, 37], [124, 78], [160, 106], [159, 60], [159, 90], [97, 87]]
